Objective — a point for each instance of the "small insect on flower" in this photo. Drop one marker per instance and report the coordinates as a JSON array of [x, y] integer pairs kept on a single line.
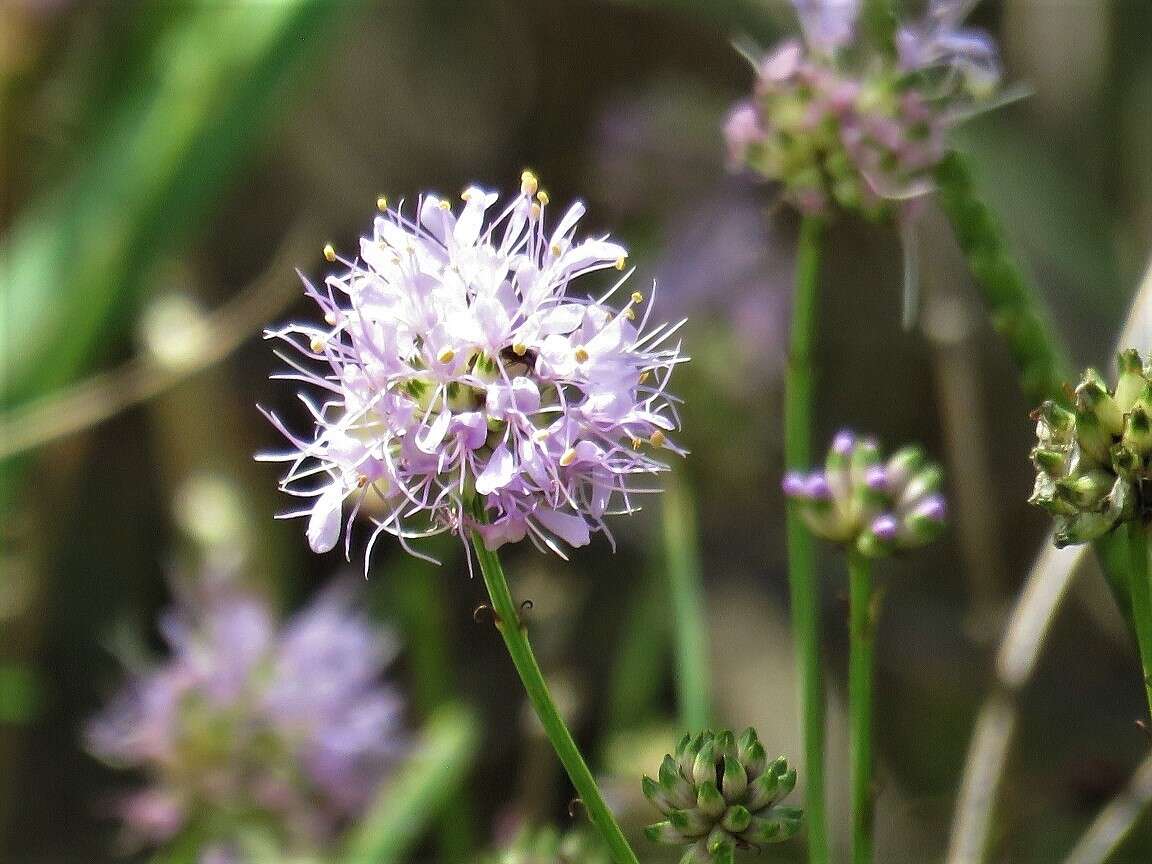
[[469, 382], [859, 500]]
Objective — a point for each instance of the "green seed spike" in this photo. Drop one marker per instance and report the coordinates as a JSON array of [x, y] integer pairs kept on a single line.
[[709, 800], [1131, 381], [735, 779]]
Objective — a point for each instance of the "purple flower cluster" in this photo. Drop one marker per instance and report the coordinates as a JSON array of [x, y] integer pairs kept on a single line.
[[247, 722], [859, 500], [468, 386], [862, 134]]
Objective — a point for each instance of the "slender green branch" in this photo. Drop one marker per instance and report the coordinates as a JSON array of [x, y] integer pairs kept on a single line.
[[682, 561], [805, 590], [1141, 592], [516, 640], [1016, 311], [861, 671]]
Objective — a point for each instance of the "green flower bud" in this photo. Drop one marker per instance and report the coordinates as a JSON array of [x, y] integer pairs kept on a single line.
[[859, 500], [1093, 462], [1131, 382], [735, 793]]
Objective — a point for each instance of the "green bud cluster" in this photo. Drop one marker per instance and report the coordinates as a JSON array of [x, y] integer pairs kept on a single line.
[[721, 794], [877, 506], [1092, 461]]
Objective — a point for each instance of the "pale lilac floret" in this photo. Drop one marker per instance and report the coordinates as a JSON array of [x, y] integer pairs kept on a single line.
[[828, 24], [843, 443], [292, 723], [817, 488], [876, 478], [939, 42], [933, 508], [465, 356], [885, 527], [794, 484]]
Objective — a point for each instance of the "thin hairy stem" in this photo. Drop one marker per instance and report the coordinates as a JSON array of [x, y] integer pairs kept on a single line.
[[805, 590], [861, 675], [1014, 307], [523, 658], [682, 561]]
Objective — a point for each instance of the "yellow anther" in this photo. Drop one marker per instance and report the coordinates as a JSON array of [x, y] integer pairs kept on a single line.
[[629, 313], [554, 249], [568, 457], [657, 438], [644, 376], [330, 317], [329, 253], [519, 349], [362, 481], [621, 262], [543, 198], [382, 204], [637, 297], [636, 443], [446, 356], [466, 195], [540, 434], [581, 354], [317, 345], [528, 183], [443, 205]]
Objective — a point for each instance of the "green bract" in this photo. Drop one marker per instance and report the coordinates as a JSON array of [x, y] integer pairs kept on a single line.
[[720, 794], [1092, 461]]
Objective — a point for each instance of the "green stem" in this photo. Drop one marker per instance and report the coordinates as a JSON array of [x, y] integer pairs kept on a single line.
[[805, 590], [682, 561], [879, 20], [1141, 592], [861, 672], [1016, 311], [516, 640]]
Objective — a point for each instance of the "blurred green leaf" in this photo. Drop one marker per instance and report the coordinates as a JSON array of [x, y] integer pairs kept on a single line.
[[75, 263], [19, 693], [416, 798]]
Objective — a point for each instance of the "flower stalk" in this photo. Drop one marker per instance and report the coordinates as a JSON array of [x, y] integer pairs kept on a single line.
[[523, 658], [805, 590], [1141, 591], [682, 562], [861, 674]]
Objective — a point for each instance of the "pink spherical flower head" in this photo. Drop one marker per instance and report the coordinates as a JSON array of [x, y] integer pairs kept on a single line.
[[472, 379]]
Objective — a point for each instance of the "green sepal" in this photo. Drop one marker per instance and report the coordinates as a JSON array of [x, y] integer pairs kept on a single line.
[[736, 818], [663, 832], [735, 779], [709, 800]]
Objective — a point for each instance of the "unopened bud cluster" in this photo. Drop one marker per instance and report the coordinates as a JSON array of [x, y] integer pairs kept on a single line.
[[719, 794], [861, 501], [839, 123], [1092, 460], [861, 144]]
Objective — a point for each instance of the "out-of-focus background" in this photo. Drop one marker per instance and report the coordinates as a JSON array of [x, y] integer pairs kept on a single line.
[[165, 166]]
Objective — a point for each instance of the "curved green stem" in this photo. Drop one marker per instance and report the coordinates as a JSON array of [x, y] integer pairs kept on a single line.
[[805, 590], [682, 562], [516, 640], [1141, 592], [1016, 311], [861, 671]]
